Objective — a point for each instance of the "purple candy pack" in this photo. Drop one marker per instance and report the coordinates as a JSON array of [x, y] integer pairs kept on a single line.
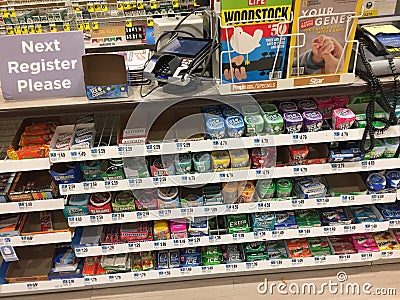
[[293, 122], [313, 121]]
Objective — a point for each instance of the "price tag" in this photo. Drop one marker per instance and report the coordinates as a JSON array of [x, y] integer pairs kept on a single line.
[[17, 29], [164, 274], [164, 213], [368, 164], [219, 144], [300, 171], [348, 199], [24, 29], [104, 7], [277, 234], [27, 239], [370, 227], [238, 236], [276, 263], [31, 29], [183, 146], [117, 216], [67, 26], [4, 13], [252, 265], [299, 138], [377, 197], [150, 22], [340, 135], [86, 25], [157, 181], [260, 234], [74, 220], [10, 31], [207, 269], [140, 4], [153, 148], [12, 13], [90, 7], [95, 25], [127, 6], [125, 150], [303, 232], [96, 219], [68, 282], [90, 185], [366, 256], [187, 212], [68, 188], [394, 224], [226, 176], [263, 173], [142, 215], [134, 246], [133, 4], [179, 243], [5, 241], [387, 254], [76, 8], [338, 167], [188, 179], [319, 260], [194, 241], [111, 184], [160, 245], [120, 6], [97, 7], [210, 210], [175, 3], [79, 26], [25, 205], [231, 267], [214, 238], [135, 183], [107, 249], [261, 142], [298, 203], [153, 4], [297, 261], [232, 208], [329, 230], [114, 278], [139, 275], [90, 280], [53, 27], [349, 228], [322, 201]]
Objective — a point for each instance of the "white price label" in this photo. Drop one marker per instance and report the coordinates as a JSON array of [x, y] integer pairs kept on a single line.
[[214, 238], [252, 265], [377, 197], [179, 243], [210, 210], [348, 198], [90, 185], [106, 249], [134, 246], [264, 206], [366, 256], [340, 135], [111, 184], [260, 234], [25, 205], [142, 215], [139, 275], [68, 188], [187, 212], [135, 182], [164, 213], [157, 181], [262, 142], [322, 201], [188, 179], [183, 146], [153, 148], [125, 150], [329, 230], [299, 138], [232, 207], [96, 219], [276, 234], [164, 274], [263, 173], [27, 239], [349, 228], [231, 267], [319, 260], [238, 236], [160, 244], [371, 227], [338, 167], [117, 216], [56, 156], [300, 171], [297, 203], [276, 263], [387, 254], [219, 144], [394, 223], [207, 269], [194, 241], [297, 261], [68, 282], [226, 176], [303, 232], [368, 164]]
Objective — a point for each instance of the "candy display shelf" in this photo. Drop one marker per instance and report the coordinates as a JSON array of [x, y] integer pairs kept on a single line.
[[230, 239], [228, 176], [36, 239], [212, 145], [29, 206], [229, 209]]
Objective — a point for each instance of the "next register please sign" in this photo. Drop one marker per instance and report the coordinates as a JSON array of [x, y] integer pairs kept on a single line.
[[42, 65]]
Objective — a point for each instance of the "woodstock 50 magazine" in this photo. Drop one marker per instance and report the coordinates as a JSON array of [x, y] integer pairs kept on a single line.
[[252, 40]]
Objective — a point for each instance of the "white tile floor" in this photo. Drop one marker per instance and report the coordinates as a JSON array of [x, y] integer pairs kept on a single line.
[[241, 288]]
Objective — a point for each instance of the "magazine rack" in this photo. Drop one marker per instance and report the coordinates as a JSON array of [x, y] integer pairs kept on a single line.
[[294, 82]]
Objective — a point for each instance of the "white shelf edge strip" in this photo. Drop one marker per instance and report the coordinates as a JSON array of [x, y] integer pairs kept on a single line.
[[29, 206], [233, 268], [37, 239], [211, 145], [228, 209], [231, 239], [48, 285], [228, 176], [10, 166]]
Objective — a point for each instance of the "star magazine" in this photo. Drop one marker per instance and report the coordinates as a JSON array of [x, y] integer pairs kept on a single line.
[[250, 39]]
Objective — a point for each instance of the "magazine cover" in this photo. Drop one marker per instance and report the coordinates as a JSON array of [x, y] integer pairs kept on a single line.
[[323, 23], [251, 39]]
